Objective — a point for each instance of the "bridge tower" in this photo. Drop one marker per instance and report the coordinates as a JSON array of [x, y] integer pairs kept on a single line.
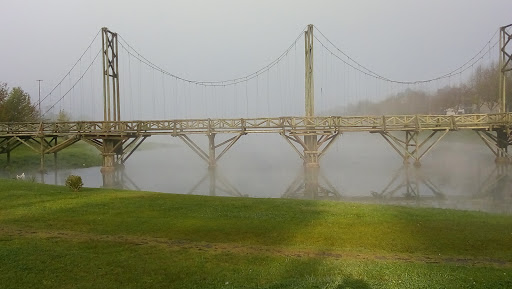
[[111, 100], [505, 64], [313, 141], [310, 150], [503, 135], [110, 146]]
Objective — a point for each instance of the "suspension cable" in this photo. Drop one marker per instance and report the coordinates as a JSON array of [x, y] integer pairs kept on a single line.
[[74, 65], [227, 82], [361, 68], [76, 82]]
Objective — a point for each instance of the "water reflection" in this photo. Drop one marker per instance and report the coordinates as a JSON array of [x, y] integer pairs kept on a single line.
[[409, 182], [216, 181], [117, 179], [311, 183], [407, 185], [456, 175], [497, 184]]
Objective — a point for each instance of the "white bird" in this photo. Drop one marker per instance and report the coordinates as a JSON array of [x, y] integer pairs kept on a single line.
[[20, 177]]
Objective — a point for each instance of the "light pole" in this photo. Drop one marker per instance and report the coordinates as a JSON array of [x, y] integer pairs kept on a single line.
[[39, 102]]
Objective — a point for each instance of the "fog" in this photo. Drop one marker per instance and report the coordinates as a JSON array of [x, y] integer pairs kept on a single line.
[[204, 40], [360, 167]]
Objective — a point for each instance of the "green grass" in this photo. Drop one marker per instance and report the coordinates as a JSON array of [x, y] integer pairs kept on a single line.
[[100, 238], [78, 155]]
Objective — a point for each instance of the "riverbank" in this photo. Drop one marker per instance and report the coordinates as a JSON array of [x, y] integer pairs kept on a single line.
[[101, 238], [79, 155]]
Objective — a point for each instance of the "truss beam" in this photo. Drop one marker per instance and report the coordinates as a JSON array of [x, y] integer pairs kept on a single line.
[[411, 147], [311, 152], [498, 144], [211, 158]]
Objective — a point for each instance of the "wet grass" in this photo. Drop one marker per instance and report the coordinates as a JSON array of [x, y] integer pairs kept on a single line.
[[99, 238]]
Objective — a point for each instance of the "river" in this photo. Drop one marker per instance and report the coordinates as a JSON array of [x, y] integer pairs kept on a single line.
[[459, 172]]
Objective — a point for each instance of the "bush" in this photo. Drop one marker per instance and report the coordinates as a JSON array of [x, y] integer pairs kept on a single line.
[[74, 183]]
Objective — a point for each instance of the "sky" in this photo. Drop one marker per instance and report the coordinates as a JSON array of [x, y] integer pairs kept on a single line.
[[222, 39]]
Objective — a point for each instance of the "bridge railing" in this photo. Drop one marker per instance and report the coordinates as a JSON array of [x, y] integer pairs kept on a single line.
[[262, 125]]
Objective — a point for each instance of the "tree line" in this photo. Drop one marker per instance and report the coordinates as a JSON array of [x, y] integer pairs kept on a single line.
[[479, 94]]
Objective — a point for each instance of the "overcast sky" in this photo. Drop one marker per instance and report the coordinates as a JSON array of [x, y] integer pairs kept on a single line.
[[212, 40]]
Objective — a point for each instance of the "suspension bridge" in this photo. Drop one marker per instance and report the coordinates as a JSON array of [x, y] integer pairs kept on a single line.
[[309, 135]]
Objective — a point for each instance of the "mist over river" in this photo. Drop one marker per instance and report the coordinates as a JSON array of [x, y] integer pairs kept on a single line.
[[459, 172]]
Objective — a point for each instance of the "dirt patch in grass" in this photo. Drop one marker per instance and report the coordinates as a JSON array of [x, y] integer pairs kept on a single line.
[[12, 233]]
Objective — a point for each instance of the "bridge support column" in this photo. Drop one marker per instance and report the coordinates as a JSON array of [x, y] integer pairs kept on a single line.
[[212, 164], [110, 151], [212, 174], [41, 152], [311, 165], [498, 144], [212, 161], [7, 150], [114, 151], [311, 185], [308, 139], [502, 143], [55, 142], [314, 145], [411, 147]]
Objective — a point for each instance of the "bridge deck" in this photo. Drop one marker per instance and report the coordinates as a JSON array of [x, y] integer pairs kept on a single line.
[[299, 125]]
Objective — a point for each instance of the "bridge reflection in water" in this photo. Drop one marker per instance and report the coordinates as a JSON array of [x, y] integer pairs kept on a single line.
[[408, 185]]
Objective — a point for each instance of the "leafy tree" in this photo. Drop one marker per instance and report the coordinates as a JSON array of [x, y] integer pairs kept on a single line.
[[16, 107], [456, 97], [484, 82], [4, 92]]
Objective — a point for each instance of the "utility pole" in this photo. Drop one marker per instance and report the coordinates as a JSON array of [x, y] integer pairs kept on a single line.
[[39, 102]]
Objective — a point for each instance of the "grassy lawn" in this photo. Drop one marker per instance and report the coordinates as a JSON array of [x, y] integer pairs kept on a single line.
[[100, 238]]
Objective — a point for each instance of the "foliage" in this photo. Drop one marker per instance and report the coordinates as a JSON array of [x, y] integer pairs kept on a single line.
[[15, 105], [74, 182], [111, 239], [63, 116], [480, 94], [4, 92]]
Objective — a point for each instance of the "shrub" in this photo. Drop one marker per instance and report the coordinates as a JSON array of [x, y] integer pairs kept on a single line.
[[74, 183]]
